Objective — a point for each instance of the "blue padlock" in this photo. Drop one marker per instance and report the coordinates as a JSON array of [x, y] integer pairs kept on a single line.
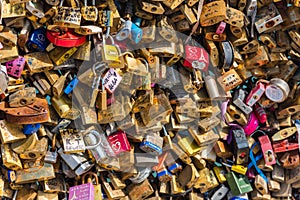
[[31, 128], [137, 21], [136, 33], [175, 168], [164, 175], [38, 40], [70, 87]]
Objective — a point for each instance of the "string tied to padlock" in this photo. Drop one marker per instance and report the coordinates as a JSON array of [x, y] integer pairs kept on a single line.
[[253, 161]]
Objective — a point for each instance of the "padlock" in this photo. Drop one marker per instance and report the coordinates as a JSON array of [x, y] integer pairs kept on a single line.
[[167, 31], [58, 87], [38, 41], [72, 141], [152, 143], [175, 186], [59, 55], [38, 112], [38, 62], [84, 191], [77, 162], [238, 100], [31, 128], [10, 132], [48, 15], [206, 181], [230, 80], [238, 184], [109, 190], [36, 151], [89, 13], [36, 172], [116, 181], [64, 109], [10, 159], [35, 8], [68, 16], [267, 17], [119, 142], [13, 10], [111, 80], [196, 57], [188, 176], [290, 160], [255, 94], [213, 13], [51, 154], [220, 174], [149, 31], [237, 115], [8, 37], [241, 146], [65, 37], [15, 67], [110, 53]]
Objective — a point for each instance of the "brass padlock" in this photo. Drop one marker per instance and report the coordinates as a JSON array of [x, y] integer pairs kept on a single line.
[[35, 173], [37, 151], [111, 54], [64, 108], [10, 132], [38, 62], [68, 16], [60, 54], [140, 191], [22, 97], [110, 191], [89, 13], [72, 141], [10, 159], [213, 13], [13, 10]]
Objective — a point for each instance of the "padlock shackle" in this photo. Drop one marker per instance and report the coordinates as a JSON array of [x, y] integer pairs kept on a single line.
[[92, 175], [53, 146], [145, 62], [99, 66], [97, 135]]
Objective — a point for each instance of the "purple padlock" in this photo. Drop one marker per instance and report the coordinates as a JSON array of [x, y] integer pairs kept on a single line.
[[82, 192], [15, 67]]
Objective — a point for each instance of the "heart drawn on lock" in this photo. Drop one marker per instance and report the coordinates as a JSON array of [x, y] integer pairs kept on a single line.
[[116, 146]]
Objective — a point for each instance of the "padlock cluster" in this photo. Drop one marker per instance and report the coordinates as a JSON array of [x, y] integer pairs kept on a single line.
[[138, 99]]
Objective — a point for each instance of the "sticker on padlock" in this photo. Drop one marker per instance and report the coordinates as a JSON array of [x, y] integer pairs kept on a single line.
[[111, 80]]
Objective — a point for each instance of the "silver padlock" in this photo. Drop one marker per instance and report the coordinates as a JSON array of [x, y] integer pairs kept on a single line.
[[98, 145], [36, 8], [51, 155]]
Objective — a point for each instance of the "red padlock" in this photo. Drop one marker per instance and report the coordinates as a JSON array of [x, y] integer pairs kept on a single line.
[[65, 37], [119, 142], [196, 57]]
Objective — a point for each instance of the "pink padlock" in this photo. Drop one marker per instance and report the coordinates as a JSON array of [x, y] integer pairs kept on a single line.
[[255, 94], [252, 124], [15, 67], [119, 142], [221, 28]]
